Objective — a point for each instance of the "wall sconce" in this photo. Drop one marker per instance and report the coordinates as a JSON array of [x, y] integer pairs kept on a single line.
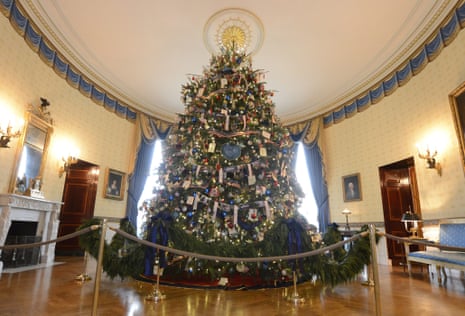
[[347, 212], [67, 162], [429, 156], [411, 221], [7, 133]]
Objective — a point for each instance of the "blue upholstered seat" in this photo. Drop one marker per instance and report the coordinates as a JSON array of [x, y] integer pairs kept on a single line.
[[451, 234]]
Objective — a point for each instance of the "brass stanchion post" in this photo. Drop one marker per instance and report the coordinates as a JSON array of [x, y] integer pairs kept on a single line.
[[156, 294], [295, 297], [83, 277], [374, 264], [98, 272], [368, 273]]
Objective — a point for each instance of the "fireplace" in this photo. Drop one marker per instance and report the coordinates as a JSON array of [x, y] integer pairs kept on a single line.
[[26, 220], [21, 232]]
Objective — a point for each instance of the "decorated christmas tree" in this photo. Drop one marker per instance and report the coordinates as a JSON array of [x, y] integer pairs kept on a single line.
[[227, 183]]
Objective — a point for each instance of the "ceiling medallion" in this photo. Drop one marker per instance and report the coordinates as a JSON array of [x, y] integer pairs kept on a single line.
[[233, 28]]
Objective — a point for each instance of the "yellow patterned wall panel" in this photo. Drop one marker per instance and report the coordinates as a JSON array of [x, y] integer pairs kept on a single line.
[[103, 138], [389, 131]]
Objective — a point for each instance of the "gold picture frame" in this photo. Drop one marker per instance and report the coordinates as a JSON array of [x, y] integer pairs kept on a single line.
[[351, 187], [114, 184], [457, 104]]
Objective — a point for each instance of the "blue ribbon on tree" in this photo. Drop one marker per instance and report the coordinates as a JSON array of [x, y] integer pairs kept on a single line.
[[246, 226], [294, 241], [158, 234]]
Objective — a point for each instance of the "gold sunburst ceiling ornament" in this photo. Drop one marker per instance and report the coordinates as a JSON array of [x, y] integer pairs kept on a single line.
[[233, 36], [236, 29]]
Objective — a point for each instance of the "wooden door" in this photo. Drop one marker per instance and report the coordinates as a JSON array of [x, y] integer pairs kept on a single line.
[[80, 191], [399, 194]]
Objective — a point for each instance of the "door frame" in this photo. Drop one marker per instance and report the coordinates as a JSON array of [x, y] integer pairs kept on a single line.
[[92, 171], [408, 167]]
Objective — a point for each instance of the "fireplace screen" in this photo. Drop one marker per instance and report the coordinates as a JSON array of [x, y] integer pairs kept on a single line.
[[21, 233]]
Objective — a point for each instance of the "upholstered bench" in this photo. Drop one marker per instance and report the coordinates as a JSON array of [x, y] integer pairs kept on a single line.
[[451, 248]]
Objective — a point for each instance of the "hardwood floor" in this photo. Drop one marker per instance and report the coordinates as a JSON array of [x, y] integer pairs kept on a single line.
[[53, 291]]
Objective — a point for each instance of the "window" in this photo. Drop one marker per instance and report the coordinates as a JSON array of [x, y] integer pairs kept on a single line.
[[151, 184], [308, 208]]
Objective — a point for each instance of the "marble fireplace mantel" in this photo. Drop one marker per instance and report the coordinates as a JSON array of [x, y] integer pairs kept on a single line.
[[23, 208]]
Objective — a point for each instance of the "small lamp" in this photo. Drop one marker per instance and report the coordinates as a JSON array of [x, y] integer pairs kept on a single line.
[[411, 221], [346, 212]]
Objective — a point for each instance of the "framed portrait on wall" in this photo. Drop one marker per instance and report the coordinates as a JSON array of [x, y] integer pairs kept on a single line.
[[114, 184], [351, 187], [457, 103]]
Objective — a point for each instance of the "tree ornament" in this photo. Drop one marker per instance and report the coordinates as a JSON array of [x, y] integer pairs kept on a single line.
[[231, 151]]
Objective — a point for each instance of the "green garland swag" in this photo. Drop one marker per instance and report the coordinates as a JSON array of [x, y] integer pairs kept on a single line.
[[125, 258]]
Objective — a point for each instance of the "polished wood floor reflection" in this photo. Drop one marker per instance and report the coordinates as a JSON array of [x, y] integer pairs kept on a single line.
[[53, 291]]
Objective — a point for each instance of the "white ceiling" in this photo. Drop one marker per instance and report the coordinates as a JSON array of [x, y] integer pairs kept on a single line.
[[318, 53]]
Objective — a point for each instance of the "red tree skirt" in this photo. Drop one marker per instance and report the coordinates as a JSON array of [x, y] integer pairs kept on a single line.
[[236, 281]]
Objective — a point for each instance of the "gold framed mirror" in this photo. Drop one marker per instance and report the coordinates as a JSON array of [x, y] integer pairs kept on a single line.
[[31, 155], [457, 103]]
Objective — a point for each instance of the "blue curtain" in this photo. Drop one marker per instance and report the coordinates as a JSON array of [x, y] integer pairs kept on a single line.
[[150, 131], [308, 133], [314, 161]]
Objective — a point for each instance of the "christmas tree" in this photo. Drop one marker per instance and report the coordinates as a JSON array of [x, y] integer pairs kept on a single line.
[[227, 176], [227, 184]]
